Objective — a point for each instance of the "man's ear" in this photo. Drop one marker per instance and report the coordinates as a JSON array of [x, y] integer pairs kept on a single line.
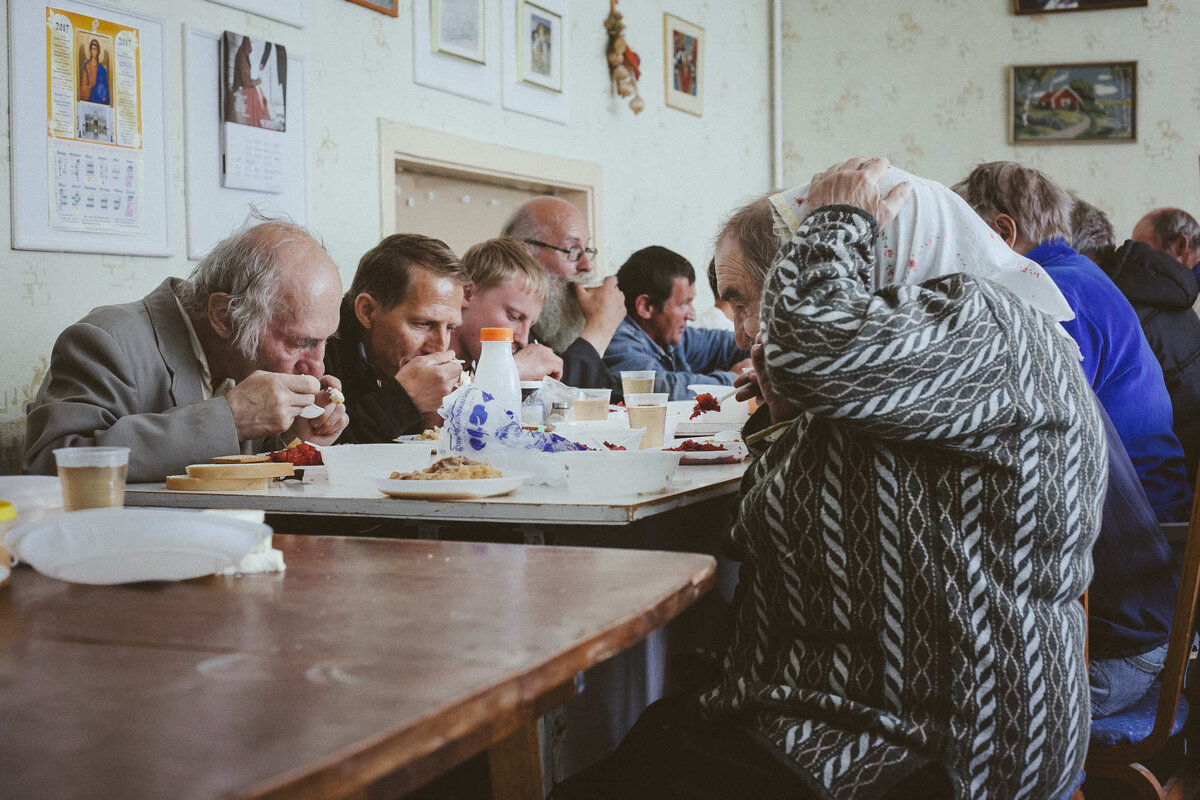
[[218, 315], [1007, 227], [365, 309], [643, 307], [468, 290], [1179, 250]]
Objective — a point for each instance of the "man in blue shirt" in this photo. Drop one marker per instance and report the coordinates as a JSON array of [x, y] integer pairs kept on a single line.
[[659, 286], [1032, 215]]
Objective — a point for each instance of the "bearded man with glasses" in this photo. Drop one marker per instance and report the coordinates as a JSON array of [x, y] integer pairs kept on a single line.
[[576, 323]]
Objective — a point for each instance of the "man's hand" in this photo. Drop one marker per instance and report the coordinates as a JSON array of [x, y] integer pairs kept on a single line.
[[856, 183], [325, 429], [266, 403], [741, 366], [756, 384], [429, 378], [536, 361], [603, 308]]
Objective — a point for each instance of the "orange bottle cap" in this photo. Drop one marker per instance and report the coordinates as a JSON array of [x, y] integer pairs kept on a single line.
[[495, 334]]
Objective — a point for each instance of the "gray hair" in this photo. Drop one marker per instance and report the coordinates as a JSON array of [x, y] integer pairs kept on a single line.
[[1169, 224], [1040, 207], [245, 266], [1091, 231], [758, 234]]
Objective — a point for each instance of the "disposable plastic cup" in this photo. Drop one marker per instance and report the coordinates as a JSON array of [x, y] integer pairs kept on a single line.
[[92, 477], [637, 381], [648, 410], [593, 406]]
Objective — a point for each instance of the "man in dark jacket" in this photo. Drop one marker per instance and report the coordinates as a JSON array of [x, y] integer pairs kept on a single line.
[[1173, 231], [1162, 291], [392, 349]]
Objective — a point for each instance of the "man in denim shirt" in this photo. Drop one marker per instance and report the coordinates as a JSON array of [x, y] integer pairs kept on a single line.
[[659, 287]]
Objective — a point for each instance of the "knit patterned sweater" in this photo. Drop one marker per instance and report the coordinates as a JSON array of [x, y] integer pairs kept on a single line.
[[914, 544]]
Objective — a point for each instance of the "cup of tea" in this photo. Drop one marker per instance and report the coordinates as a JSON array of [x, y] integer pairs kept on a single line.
[[92, 477], [592, 406], [637, 381], [648, 410]]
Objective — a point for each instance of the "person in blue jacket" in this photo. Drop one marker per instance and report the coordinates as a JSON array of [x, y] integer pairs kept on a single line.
[[659, 287], [1032, 215]]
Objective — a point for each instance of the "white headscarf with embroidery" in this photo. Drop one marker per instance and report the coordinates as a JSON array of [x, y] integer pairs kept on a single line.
[[936, 233]]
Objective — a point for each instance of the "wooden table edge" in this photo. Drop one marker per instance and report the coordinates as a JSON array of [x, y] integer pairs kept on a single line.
[[354, 769]]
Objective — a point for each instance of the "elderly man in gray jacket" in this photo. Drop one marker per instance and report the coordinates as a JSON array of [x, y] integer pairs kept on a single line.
[[201, 367]]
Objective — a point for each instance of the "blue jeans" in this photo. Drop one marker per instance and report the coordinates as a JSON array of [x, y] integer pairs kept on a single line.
[[1118, 683]]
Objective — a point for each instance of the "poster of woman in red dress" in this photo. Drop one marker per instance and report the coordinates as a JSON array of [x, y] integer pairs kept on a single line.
[[255, 82]]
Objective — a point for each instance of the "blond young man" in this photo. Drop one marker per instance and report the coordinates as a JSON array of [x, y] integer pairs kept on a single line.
[[508, 289]]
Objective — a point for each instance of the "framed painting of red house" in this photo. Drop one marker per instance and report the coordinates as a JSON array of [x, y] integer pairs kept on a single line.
[[1051, 6], [1060, 103]]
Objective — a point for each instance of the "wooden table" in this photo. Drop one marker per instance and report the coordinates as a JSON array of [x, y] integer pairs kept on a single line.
[[370, 662], [530, 505]]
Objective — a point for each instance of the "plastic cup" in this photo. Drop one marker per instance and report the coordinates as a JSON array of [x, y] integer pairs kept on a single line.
[[648, 410], [637, 381], [92, 477], [593, 405]]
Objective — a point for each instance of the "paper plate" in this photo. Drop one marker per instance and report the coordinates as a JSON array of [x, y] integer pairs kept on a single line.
[[733, 453], [453, 490], [125, 545]]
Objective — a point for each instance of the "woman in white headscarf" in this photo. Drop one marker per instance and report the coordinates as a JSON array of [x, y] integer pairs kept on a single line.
[[915, 531]]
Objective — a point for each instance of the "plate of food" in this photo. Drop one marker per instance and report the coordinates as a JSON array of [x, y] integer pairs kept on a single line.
[[709, 451], [452, 478]]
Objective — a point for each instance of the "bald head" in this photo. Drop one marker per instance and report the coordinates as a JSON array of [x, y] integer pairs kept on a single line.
[[1172, 230], [553, 223]]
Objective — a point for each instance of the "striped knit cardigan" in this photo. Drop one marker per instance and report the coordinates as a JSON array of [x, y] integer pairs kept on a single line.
[[915, 544]]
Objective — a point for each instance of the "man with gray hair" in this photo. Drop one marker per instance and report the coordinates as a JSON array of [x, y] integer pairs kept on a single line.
[[1032, 215], [201, 367], [1175, 232], [576, 323]]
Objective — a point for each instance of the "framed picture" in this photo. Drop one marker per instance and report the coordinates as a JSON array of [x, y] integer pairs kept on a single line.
[[683, 50], [458, 28], [1051, 6], [382, 6], [1054, 103], [539, 46]]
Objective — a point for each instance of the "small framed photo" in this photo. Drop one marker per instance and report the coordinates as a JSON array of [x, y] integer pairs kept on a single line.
[[683, 49], [382, 6], [539, 46], [458, 28], [1073, 103], [1052, 6]]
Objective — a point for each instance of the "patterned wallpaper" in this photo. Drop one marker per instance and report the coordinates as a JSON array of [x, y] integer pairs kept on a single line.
[[669, 177], [925, 83]]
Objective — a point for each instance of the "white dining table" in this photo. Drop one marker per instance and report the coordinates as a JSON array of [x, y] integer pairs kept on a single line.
[[528, 505]]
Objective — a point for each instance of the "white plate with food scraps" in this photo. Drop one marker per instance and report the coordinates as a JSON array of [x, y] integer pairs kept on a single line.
[[467, 489], [732, 453]]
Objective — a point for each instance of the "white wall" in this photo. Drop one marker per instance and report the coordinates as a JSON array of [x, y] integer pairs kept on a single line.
[[669, 177], [925, 83]]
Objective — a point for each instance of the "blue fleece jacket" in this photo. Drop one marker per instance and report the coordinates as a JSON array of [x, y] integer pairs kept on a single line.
[[703, 356], [1124, 373]]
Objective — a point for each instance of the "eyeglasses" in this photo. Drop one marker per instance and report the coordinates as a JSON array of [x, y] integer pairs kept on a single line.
[[573, 253]]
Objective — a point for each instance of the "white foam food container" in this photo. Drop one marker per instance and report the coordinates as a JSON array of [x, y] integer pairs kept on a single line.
[[617, 472], [362, 464]]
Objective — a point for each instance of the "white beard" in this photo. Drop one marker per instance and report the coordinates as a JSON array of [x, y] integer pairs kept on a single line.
[[562, 319]]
